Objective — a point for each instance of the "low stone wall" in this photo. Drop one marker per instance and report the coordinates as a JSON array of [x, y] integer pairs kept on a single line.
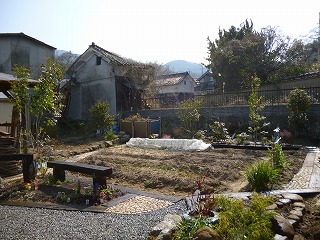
[[277, 115]]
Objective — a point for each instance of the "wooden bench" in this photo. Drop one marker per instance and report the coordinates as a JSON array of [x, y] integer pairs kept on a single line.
[[28, 168], [99, 173]]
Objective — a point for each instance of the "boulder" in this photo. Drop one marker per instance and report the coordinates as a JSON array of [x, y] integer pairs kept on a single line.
[[298, 237], [296, 212], [164, 229], [206, 233], [282, 226], [293, 197], [280, 237]]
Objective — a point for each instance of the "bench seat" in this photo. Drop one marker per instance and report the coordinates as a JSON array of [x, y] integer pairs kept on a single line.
[[99, 173]]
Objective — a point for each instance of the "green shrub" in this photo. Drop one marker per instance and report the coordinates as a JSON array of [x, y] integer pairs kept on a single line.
[[261, 175], [188, 227], [238, 221], [276, 156], [110, 136], [219, 132], [101, 120], [242, 138], [298, 106], [189, 115]]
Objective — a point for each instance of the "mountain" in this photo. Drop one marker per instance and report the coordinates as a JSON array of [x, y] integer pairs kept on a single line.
[[194, 69], [59, 52]]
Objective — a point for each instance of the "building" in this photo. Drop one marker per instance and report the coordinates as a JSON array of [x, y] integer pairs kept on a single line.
[[22, 50], [205, 83], [174, 88], [100, 75]]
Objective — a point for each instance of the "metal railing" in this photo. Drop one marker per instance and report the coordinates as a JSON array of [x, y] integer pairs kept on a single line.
[[270, 97]]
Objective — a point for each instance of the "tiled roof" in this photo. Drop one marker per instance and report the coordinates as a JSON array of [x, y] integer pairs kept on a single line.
[[99, 51], [114, 58], [171, 79]]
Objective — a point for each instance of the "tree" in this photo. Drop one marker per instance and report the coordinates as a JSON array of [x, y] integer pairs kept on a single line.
[[298, 106], [241, 53], [20, 97], [45, 99], [66, 59], [256, 106]]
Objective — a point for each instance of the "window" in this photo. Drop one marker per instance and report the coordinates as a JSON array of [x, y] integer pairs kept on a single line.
[[98, 61], [185, 82]]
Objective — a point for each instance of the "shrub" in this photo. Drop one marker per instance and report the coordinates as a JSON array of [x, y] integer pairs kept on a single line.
[[219, 132], [110, 136], [188, 227], [238, 221], [101, 120], [200, 134], [189, 115], [242, 138], [276, 156], [261, 175], [298, 105]]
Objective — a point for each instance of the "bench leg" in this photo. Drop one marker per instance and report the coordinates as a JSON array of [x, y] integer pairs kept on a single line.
[[28, 169], [59, 174], [98, 179]]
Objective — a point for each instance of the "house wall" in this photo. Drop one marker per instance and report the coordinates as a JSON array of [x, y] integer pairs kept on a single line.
[[95, 83], [179, 88], [23, 52]]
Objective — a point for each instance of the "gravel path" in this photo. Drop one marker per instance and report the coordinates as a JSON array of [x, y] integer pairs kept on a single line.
[[35, 223]]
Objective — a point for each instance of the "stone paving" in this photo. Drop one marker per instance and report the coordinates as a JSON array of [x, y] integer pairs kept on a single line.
[[309, 175], [139, 204]]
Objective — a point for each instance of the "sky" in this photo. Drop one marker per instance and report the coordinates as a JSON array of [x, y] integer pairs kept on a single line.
[[151, 30]]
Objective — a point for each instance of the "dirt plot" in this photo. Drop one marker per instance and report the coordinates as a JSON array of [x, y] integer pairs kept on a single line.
[[175, 173]]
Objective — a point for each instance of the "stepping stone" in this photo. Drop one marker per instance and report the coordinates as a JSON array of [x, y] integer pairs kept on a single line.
[[293, 197]]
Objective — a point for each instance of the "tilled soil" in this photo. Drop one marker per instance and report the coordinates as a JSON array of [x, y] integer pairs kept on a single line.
[[176, 173]]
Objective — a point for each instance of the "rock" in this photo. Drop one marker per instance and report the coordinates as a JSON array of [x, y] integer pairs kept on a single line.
[[299, 209], [299, 204], [285, 201], [293, 197], [206, 233], [108, 143], [279, 204], [298, 237], [296, 212], [294, 223], [294, 217], [165, 228], [272, 207], [280, 237], [282, 226]]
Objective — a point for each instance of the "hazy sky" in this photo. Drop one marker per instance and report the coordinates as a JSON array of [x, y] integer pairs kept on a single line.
[[150, 30]]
